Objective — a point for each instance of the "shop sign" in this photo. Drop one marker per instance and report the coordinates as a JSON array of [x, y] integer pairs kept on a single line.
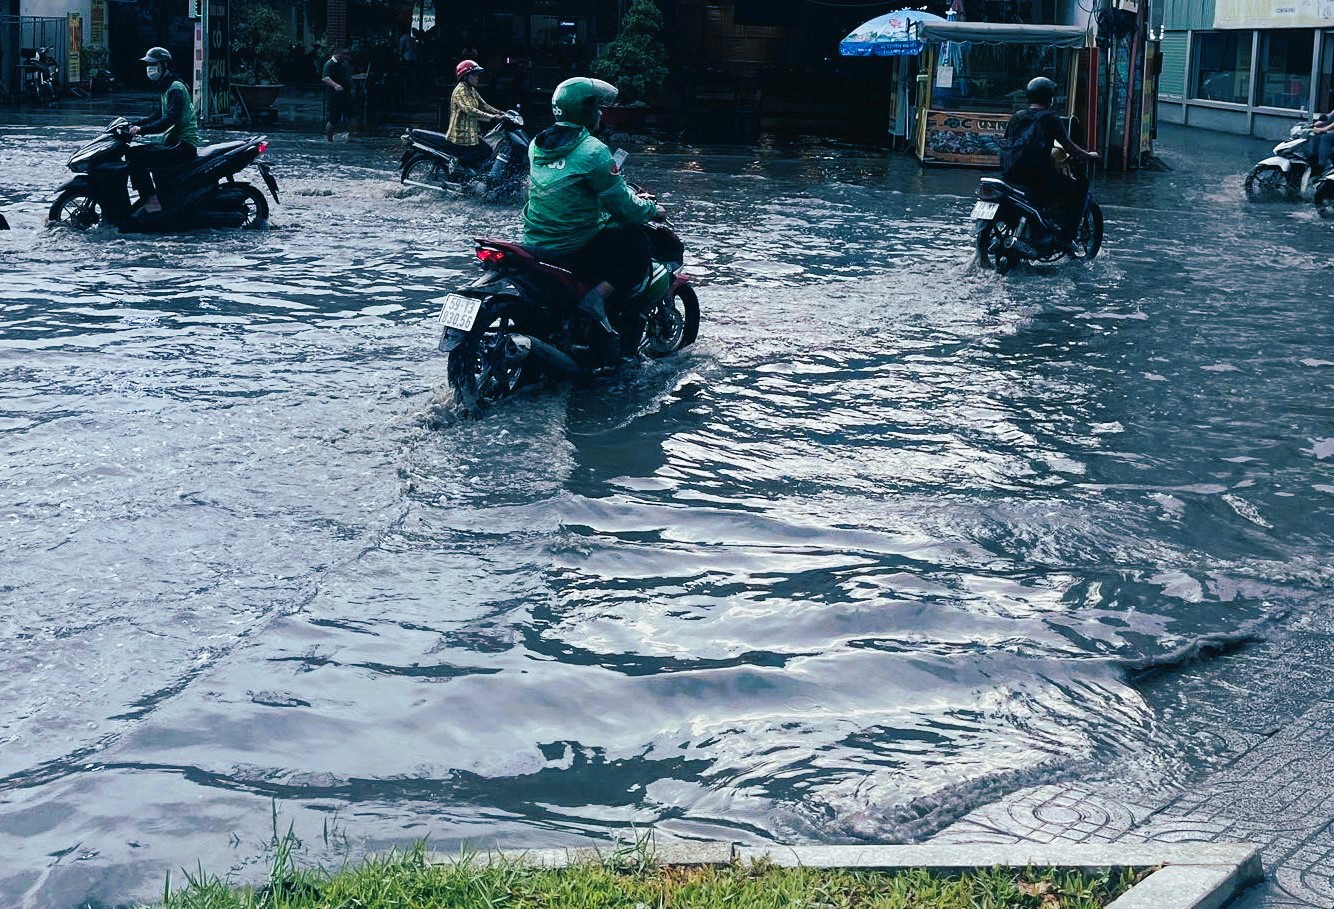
[[964, 138], [1273, 13], [74, 55], [97, 24]]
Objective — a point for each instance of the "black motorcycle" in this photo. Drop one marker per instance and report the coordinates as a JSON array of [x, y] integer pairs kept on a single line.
[[201, 192], [431, 161], [519, 320], [1011, 228], [39, 75]]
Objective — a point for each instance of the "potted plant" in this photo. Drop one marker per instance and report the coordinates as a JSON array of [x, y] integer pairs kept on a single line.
[[260, 40], [635, 62]]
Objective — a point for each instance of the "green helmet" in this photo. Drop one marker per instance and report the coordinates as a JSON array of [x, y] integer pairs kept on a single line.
[[580, 100]]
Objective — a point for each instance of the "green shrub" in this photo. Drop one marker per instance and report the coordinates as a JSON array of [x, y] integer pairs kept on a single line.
[[636, 61], [260, 40]]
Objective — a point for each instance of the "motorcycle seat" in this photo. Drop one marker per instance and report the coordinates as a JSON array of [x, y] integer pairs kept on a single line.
[[438, 141], [541, 260], [220, 148]]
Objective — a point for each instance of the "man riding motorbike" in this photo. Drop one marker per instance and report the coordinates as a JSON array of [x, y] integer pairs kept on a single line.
[[467, 112], [580, 208], [171, 134], [1026, 160]]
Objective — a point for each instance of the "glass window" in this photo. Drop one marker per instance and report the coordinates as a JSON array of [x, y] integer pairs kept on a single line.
[[1324, 101], [1222, 66], [1284, 77], [990, 78]]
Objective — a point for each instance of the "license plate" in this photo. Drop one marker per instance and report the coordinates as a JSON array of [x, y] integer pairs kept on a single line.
[[458, 311], [985, 211]]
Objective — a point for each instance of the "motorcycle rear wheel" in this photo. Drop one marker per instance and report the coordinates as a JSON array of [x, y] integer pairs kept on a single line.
[[256, 208], [1324, 199], [1267, 184], [426, 171], [76, 209], [481, 370], [991, 246]]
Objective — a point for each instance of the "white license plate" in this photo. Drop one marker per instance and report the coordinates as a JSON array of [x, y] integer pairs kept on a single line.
[[458, 311], [985, 211]]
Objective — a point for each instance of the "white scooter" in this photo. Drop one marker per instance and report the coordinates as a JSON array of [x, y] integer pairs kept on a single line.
[[1288, 173]]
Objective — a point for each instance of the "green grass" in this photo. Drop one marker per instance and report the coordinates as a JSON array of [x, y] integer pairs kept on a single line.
[[628, 879]]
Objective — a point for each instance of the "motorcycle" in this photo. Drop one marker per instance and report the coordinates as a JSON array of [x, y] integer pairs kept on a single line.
[[201, 192], [1010, 228], [431, 161], [519, 320], [40, 75], [1288, 171]]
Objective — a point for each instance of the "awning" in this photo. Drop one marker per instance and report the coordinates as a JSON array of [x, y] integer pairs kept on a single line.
[[890, 35], [1003, 33]]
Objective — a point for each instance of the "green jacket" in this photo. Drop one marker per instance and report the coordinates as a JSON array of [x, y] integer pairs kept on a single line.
[[576, 191], [176, 120]]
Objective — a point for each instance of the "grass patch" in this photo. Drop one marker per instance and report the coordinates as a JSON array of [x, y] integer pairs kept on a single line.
[[629, 879]]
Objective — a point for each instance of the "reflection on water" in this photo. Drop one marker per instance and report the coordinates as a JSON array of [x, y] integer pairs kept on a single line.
[[887, 543]]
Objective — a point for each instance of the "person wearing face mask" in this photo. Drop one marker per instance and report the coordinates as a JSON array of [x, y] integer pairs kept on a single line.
[[169, 136]]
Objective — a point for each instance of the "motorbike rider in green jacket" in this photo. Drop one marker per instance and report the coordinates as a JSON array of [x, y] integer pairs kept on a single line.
[[168, 138], [580, 209]]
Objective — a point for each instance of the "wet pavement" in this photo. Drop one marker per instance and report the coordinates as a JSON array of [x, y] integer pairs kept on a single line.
[[898, 549]]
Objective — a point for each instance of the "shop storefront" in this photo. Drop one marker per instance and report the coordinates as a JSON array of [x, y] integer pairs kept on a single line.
[[1254, 67], [972, 80]]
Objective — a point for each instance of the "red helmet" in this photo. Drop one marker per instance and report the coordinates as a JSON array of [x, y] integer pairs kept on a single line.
[[466, 67]]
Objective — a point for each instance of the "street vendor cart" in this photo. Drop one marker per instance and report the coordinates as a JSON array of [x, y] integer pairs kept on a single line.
[[972, 77]]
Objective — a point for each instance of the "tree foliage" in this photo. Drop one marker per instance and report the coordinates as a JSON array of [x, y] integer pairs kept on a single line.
[[260, 39], [636, 61]]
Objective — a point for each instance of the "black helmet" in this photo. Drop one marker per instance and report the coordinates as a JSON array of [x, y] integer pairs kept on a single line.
[[1041, 91], [156, 55]]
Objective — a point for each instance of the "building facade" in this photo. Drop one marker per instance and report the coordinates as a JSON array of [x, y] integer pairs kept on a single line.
[[1246, 66]]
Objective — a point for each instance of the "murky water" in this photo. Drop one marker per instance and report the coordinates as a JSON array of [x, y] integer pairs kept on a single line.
[[890, 541]]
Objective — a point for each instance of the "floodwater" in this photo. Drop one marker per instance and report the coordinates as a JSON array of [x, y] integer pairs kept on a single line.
[[892, 540]]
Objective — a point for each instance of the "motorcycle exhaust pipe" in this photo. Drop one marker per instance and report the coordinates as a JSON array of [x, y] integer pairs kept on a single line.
[[550, 356]]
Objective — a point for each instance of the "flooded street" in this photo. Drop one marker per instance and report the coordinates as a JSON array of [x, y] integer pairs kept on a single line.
[[894, 538]]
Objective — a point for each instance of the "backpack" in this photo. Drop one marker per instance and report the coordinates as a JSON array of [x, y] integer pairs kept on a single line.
[[1027, 154]]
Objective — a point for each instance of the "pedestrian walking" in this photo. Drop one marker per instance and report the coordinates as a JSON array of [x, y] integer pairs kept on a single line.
[[337, 79]]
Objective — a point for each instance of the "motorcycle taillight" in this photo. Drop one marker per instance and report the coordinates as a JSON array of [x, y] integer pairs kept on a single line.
[[263, 147], [488, 256]]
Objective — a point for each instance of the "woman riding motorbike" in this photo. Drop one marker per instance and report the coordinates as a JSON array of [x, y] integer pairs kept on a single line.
[[467, 112]]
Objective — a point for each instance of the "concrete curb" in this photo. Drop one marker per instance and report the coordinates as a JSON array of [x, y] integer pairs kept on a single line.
[[1188, 875]]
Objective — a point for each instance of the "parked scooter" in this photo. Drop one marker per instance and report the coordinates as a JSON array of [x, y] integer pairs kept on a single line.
[[1289, 172], [202, 192], [431, 161], [519, 320], [1010, 228]]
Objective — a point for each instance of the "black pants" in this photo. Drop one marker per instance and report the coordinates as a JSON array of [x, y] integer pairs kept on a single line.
[[143, 160], [1324, 150], [1061, 200], [618, 255], [340, 107]]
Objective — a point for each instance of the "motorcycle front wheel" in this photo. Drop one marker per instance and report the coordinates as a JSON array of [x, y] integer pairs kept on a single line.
[[75, 208], [487, 367], [1088, 238], [1267, 184], [671, 323]]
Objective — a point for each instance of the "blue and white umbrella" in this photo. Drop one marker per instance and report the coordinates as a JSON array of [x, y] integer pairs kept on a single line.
[[891, 35]]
